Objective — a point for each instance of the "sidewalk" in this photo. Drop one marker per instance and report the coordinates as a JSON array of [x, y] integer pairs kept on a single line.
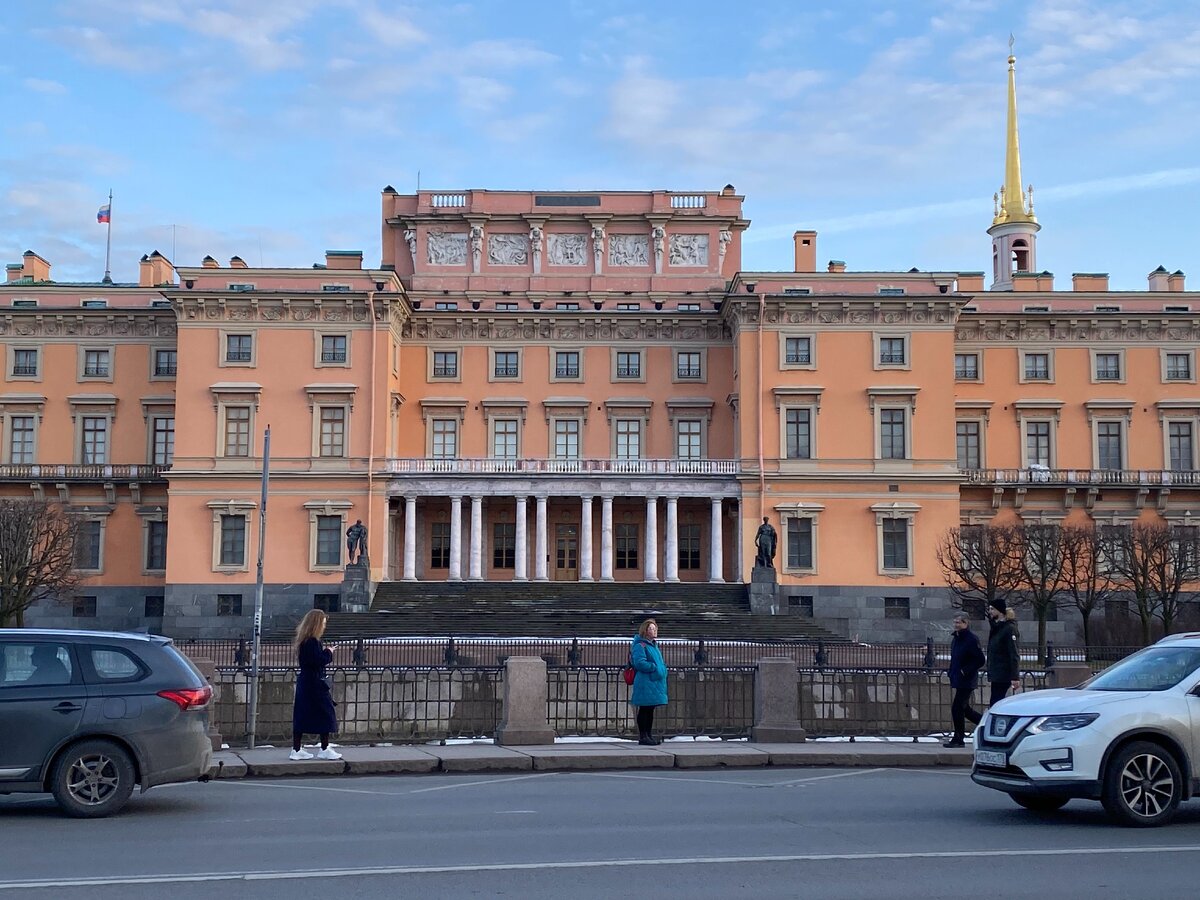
[[266, 762]]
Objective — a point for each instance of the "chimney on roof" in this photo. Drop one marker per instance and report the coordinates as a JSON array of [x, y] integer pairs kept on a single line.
[[1175, 281], [155, 270], [837, 265], [14, 271], [236, 262], [343, 259], [969, 282], [34, 268], [209, 263], [1160, 279], [806, 251], [1089, 281]]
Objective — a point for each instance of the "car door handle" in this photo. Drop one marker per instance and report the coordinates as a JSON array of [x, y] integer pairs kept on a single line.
[[67, 707]]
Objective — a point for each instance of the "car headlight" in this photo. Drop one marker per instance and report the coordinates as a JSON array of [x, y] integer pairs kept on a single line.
[[1061, 723]]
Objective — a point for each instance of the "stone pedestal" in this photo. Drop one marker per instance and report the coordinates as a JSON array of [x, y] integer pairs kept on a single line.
[[356, 587], [777, 702], [764, 591], [524, 720], [1068, 675], [208, 668]]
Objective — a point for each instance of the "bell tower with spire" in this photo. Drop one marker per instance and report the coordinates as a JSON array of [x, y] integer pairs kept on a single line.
[[1014, 226]]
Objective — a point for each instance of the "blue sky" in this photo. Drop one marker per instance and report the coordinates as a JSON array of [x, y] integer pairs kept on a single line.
[[268, 128]]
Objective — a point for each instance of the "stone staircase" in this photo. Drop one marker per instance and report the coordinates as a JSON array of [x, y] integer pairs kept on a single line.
[[559, 609]]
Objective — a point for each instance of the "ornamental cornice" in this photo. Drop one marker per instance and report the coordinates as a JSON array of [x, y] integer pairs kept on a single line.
[[1071, 330], [842, 312], [559, 328], [333, 309], [132, 326]]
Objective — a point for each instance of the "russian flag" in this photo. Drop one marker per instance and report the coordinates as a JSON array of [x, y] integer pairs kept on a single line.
[[104, 214]]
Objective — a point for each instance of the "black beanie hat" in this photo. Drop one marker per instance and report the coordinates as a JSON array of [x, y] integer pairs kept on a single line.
[[997, 603]]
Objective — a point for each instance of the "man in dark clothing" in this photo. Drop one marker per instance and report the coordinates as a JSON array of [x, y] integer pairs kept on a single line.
[[966, 659], [1003, 660]]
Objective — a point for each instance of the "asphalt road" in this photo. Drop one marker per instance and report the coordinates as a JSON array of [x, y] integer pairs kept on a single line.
[[852, 833]]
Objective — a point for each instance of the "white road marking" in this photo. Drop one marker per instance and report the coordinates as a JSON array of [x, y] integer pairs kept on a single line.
[[516, 812], [666, 778], [306, 787], [463, 784], [827, 777], [381, 871]]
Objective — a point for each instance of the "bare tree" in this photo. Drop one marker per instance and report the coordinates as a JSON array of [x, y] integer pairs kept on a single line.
[[37, 555], [1086, 578], [1039, 573], [1128, 552], [979, 562], [1175, 565]]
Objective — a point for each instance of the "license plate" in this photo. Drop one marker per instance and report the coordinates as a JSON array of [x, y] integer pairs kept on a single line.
[[991, 758]]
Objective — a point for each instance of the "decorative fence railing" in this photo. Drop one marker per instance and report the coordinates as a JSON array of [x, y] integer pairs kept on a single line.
[[1043, 475], [605, 466]]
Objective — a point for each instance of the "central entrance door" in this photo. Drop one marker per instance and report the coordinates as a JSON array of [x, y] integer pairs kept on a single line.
[[566, 553]]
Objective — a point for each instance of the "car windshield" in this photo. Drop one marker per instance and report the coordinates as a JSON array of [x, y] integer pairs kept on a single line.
[[1152, 669]]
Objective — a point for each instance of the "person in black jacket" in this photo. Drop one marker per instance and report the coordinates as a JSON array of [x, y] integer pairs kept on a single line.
[[1003, 660], [966, 659]]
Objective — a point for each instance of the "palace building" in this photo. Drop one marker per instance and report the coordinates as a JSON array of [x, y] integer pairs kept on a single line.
[[585, 387]]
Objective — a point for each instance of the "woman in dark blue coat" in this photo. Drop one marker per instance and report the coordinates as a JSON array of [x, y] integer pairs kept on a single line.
[[649, 679], [313, 711]]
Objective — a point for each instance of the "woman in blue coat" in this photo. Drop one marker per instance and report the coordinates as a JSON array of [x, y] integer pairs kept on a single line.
[[313, 711], [649, 679]]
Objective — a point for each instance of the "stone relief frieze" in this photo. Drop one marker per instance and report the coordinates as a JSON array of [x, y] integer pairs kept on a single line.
[[567, 249], [447, 248], [628, 250], [688, 249], [508, 249]]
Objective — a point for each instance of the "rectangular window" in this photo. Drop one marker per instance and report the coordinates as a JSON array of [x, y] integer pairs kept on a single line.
[[800, 605], [688, 439], [233, 541], [155, 606], [689, 307], [95, 440], [798, 424], [1179, 367], [165, 363], [156, 546], [1108, 445], [164, 440], [83, 608], [329, 603], [896, 608], [507, 306], [1108, 366], [20, 439], [891, 434], [439, 545], [445, 306], [237, 431], [966, 366], [506, 364], [1179, 436], [25, 362], [333, 431], [329, 540], [799, 543], [566, 364], [797, 351], [229, 604], [687, 365], [891, 292], [87, 546], [895, 543], [628, 307], [445, 364], [445, 439], [504, 545], [93, 304], [569, 306], [333, 348], [504, 439], [689, 547], [967, 444], [1037, 444], [95, 363], [629, 364], [629, 438], [627, 546], [239, 348], [1037, 366], [891, 351], [566, 439]]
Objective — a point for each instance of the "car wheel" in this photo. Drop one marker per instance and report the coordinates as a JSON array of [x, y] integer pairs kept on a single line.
[[1142, 785], [92, 779], [1042, 803]]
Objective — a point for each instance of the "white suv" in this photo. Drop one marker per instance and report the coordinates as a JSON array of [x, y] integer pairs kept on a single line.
[[1128, 737]]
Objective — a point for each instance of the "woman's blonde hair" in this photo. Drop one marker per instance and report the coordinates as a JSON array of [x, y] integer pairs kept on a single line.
[[645, 626], [311, 626]]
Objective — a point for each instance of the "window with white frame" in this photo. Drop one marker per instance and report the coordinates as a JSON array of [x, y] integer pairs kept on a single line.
[[163, 438], [506, 364], [689, 365], [328, 541], [444, 439], [445, 364], [1177, 366], [628, 438], [893, 351], [156, 545], [1110, 444], [504, 438], [332, 434], [25, 362], [566, 365], [1038, 443], [966, 366], [232, 551], [689, 439], [1036, 367], [895, 544], [1107, 366], [93, 440], [967, 444], [799, 538], [629, 364], [566, 438], [1181, 448], [797, 433], [165, 363], [22, 432], [893, 433], [96, 363], [237, 432], [89, 542], [333, 349], [797, 351], [239, 348]]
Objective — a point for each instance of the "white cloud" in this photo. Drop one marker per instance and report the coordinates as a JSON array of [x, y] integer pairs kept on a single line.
[[391, 28], [44, 86]]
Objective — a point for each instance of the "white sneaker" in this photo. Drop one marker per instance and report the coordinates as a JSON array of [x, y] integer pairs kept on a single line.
[[329, 753], [300, 754]]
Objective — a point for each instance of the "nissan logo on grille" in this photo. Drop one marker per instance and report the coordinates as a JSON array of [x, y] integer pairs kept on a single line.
[[1000, 725]]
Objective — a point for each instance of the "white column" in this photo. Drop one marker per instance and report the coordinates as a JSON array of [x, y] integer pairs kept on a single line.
[[714, 543], [585, 540], [476, 539], [650, 568], [606, 539], [522, 549], [671, 563], [456, 538], [539, 560], [410, 538]]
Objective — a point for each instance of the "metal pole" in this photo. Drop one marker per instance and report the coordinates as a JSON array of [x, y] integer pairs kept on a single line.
[[108, 242], [252, 711]]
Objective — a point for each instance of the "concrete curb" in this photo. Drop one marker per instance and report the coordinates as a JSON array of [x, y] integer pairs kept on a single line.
[[272, 762]]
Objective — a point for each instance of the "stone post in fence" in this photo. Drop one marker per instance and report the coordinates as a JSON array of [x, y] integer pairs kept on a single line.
[[776, 702], [1065, 675], [523, 717]]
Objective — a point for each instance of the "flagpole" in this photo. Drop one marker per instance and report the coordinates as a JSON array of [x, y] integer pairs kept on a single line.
[[108, 242]]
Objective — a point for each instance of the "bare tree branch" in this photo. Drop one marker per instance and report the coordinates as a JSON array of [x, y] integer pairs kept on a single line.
[[37, 555]]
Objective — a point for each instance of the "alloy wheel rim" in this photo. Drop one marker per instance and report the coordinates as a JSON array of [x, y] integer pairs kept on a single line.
[[1147, 785], [92, 779]]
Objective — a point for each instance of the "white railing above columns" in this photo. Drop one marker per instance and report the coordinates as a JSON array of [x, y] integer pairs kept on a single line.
[[491, 466]]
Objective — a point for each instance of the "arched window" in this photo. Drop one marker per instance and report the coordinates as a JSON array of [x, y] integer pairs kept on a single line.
[[1020, 255]]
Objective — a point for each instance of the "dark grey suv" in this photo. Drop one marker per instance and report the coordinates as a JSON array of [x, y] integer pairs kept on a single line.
[[86, 715]]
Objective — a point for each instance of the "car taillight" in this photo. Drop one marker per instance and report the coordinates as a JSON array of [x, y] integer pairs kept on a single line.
[[189, 698]]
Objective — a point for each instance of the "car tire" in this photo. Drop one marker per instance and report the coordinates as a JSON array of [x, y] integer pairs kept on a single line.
[[1040, 803], [92, 779], [1142, 785]]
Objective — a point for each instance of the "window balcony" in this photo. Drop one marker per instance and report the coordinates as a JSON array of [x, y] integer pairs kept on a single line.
[[333, 356], [81, 472], [1089, 477], [493, 465]]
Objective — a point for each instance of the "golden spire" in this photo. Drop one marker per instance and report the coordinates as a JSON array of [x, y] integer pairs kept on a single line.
[[1015, 205]]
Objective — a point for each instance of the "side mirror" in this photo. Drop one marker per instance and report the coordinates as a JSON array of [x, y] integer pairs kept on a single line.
[[1195, 692]]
